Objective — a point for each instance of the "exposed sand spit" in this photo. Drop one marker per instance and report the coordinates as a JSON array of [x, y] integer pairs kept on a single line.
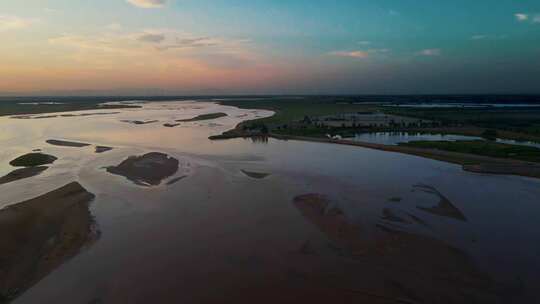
[[102, 149], [146, 170], [444, 207], [256, 175], [65, 143], [38, 235], [140, 122], [204, 117], [21, 174]]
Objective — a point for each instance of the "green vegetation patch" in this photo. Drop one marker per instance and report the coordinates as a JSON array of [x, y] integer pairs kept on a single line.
[[524, 120], [33, 160], [479, 147]]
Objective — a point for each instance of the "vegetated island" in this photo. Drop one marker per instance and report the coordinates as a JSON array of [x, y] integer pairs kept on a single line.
[[334, 119], [33, 160], [38, 235], [33, 164]]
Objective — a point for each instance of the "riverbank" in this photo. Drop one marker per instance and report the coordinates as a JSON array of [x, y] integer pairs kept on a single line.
[[469, 162]]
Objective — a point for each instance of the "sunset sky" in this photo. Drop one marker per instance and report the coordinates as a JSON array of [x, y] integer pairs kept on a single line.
[[270, 46]]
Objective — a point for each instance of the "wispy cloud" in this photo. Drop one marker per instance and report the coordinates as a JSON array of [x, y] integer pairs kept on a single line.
[[110, 47], [190, 43], [351, 54], [429, 52], [151, 38], [148, 3], [521, 17], [488, 37], [8, 23], [528, 17], [365, 42]]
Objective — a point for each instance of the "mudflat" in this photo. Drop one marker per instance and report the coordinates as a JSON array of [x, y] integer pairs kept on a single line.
[[146, 170], [397, 266]]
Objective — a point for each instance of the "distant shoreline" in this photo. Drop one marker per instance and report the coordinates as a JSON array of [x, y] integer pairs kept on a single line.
[[469, 162]]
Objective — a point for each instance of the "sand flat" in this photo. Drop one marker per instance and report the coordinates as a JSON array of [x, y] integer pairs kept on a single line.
[[38, 235], [22, 173], [147, 170]]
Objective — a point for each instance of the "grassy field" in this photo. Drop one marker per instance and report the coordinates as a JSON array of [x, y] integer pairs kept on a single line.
[[510, 123], [484, 148]]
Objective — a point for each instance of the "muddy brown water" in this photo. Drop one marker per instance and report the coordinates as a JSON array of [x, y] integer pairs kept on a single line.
[[211, 234]]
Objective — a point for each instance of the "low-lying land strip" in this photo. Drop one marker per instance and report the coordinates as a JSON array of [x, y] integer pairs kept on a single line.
[[8, 109], [470, 162], [314, 120]]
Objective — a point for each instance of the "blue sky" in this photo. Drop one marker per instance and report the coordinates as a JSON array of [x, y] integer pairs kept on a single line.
[[295, 46]]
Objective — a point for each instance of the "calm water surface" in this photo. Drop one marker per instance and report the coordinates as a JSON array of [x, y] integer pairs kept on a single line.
[[394, 138], [221, 232]]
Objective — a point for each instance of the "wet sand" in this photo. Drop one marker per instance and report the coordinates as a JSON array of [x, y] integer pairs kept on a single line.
[[146, 170], [38, 235]]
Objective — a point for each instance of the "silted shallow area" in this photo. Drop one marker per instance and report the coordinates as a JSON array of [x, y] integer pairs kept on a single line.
[[272, 221]]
